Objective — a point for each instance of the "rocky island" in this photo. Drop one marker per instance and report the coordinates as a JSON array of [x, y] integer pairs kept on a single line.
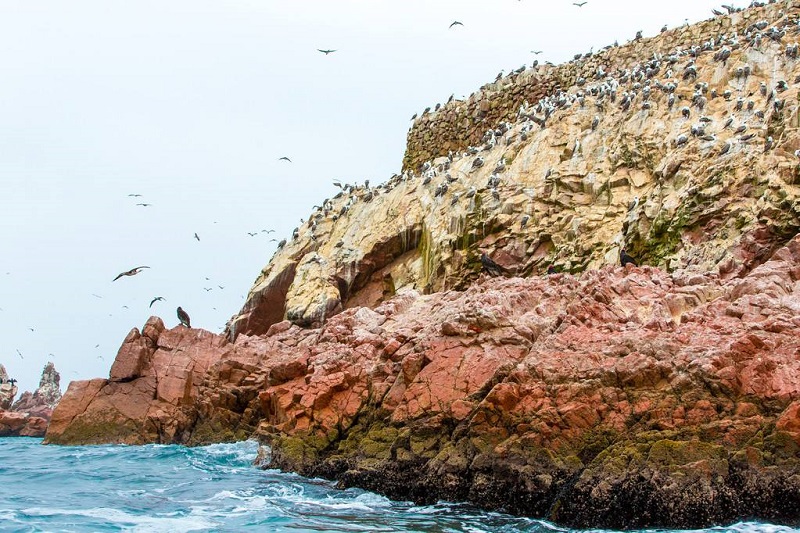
[[30, 414], [373, 350]]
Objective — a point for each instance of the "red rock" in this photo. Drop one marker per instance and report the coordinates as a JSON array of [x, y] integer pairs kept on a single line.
[[558, 363], [132, 357]]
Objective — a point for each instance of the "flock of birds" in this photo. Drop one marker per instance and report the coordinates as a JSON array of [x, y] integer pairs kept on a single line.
[[658, 81], [654, 82]]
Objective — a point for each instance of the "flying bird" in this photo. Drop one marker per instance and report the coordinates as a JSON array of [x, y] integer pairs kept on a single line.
[[536, 52], [156, 299], [20, 354], [145, 205], [326, 52], [579, 4], [455, 23], [131, 272], [252, 234], [183, 317], [196, 237], [12, 381], [284, 158], [267, 231], [135, 195]]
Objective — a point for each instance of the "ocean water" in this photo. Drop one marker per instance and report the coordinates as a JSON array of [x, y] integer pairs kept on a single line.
[[211, 488]]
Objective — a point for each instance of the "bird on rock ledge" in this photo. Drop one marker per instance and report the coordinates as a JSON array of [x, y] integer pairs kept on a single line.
[[492, 268], [625, 259], [183, 316]]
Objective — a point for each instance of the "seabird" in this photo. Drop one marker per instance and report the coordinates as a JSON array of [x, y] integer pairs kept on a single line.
[[625, 259], [12, 381], [284, 158], [455, 23], [326, 52], [145, 205], [490, 266], [183, 317], [579, 4], [196, 237], [131, 272], [135, 195], [156, 299]]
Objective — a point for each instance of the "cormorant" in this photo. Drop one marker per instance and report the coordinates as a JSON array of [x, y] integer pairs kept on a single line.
[[624, 258], [183, 317], [492, 268]]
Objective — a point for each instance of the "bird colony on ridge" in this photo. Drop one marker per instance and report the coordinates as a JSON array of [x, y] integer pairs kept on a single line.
[[668, 81]]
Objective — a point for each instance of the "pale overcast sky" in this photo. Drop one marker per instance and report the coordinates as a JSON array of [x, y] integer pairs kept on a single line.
[[190, 104]]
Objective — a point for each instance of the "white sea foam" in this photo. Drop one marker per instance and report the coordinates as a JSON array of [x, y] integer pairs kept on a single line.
[[130, 522]]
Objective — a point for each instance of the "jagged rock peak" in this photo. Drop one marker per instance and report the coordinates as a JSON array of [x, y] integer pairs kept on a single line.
[[7, 390], [45, 398], [49, 385]]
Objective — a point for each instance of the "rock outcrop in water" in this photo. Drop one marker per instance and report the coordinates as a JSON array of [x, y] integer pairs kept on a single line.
[[28, 416], [372, 351]]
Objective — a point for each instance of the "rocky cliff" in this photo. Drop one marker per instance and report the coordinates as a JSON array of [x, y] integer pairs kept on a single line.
[[28, 416], [680, 147], [372, 349]]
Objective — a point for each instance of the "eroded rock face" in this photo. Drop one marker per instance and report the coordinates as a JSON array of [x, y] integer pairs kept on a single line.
[[616, 164], [7, 390], [44, 399], [151, 394], [28, 416], [623, 397]]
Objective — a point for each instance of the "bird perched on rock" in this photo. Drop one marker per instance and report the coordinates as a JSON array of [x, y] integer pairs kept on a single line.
[[552, 270], [183, 316], [625, 259], [492, 268], [131, 272]]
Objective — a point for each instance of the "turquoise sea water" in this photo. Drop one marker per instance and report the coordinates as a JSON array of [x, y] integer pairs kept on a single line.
[[211, 488]]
